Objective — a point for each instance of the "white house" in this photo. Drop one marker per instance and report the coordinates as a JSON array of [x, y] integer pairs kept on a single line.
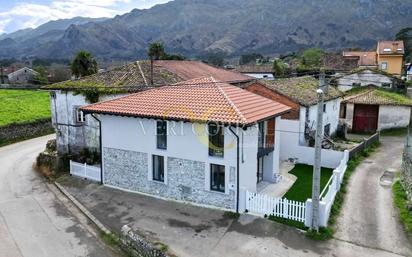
[[374, 109], [409, 72], [367, 77], [23, 75], [198, 141], [75, 132], [300, 94]]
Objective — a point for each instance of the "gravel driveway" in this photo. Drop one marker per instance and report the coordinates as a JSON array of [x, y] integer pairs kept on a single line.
[[369, 217]]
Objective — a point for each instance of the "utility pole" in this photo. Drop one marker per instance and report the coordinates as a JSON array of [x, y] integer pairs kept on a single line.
[[318, 153]]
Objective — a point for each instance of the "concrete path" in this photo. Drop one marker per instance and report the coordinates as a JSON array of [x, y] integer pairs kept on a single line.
[[369, 217], [33, 222], [369, 226]]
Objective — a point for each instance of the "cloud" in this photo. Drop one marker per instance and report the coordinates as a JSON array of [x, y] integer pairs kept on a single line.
[[31, 15]]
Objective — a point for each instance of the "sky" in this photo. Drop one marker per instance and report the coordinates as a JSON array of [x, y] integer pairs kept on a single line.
[[20, 14]]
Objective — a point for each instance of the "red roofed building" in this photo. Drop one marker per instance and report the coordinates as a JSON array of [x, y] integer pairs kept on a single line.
[[201, 141]]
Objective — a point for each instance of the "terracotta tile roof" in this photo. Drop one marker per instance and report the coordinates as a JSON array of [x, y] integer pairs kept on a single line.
[[364, 58], [301, 90], [198, 100], [136, 76], [391, 47], [374, 96], [195, 69]]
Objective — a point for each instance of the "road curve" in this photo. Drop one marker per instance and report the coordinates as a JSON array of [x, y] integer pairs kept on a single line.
[[33, 221]]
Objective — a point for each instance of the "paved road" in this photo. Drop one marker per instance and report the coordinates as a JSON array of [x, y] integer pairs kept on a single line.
[[369, 217], [33, 221], [368, 227]]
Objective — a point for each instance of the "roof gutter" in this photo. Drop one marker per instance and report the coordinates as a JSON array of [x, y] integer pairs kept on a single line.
[[237, 169]]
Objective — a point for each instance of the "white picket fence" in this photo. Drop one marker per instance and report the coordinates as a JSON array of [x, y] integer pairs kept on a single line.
[[85, 171], [262, 204]]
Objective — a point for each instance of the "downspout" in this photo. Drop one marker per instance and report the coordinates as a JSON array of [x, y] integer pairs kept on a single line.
[[237, 169], [101, 147]]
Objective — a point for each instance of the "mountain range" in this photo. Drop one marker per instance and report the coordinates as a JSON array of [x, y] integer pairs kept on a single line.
[[197, 27]]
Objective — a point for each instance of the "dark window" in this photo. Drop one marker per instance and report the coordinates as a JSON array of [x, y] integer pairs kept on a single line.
[[324, 107], [158, 168], [326, 130], [386, 85], [161, 132], [261, 135], [342, 111], [217, 177], [216, 140], [79, 115]]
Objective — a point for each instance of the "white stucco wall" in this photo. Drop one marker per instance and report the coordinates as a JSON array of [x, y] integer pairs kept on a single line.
[[290, 147], [393, 117], [260, 75], [136, 134], [365, 78], [69, 134], [330, 116]]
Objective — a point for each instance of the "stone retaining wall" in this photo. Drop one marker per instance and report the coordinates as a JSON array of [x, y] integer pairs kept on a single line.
[[406, 172], [137, 246], [16, 132]]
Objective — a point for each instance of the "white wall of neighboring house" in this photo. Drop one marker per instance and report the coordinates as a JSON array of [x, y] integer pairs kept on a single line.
[[364, 78], [72, 136], [260, 75], [330, 116], [290, 148], [393, 117], [409, 73], [23, 75]]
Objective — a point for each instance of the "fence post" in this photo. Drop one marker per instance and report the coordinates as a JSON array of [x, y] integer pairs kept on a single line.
[[85, 170], [70, 167], [285, 208]]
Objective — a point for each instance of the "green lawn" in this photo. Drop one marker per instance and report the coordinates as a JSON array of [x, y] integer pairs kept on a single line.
[[20, 106], [302, 188]]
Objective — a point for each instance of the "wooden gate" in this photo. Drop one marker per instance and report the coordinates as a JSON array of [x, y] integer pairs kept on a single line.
[[365, 118]]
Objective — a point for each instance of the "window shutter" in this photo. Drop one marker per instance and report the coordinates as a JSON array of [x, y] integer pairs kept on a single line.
[[270, 133]]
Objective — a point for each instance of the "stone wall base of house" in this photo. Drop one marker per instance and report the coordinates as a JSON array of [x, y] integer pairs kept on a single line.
[[184, 179]]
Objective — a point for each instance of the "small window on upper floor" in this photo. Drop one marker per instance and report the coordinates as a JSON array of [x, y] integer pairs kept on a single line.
[[216, 140], [161, 133], [384, 65], [324, 107], [79, 116]]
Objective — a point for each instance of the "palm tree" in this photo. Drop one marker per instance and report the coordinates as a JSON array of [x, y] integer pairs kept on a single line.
[[156, 51], [83, 64]]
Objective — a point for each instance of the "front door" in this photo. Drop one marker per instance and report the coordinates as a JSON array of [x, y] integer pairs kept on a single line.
[[259, 169], [365, 118]]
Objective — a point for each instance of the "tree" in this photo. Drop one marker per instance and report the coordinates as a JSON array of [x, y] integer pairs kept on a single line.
[[156, 51], [216, 58], [83, 64], [41, 77], [311, 58], [176, 57], [405, 35], [279, 68], [249, 58]]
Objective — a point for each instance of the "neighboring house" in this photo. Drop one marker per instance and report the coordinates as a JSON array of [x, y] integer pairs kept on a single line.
[[372, 109], [75, 132], [300, 94], [367, 77], [387, 57], [22, 76], [199, 141], [337, 62], [263, 71], [390, 56], [364, 59]]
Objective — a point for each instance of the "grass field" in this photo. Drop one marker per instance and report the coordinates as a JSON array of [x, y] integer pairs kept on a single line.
[[302, 188], [21, 106]]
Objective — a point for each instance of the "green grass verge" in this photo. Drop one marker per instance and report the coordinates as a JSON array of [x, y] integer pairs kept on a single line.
[[20, 106], [401, 202], [301, 190]]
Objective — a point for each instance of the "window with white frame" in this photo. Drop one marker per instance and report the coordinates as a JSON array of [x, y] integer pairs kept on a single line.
[[79, 115], [384, 65], [161, 134]]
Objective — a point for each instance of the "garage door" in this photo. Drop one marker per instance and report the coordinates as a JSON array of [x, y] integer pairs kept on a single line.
[[365, 118]]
